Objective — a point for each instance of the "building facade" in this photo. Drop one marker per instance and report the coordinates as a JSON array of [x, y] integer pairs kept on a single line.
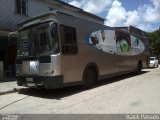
[[15, 11]]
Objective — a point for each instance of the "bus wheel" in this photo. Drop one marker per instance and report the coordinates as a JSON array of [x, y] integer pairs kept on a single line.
[[89, 78], [139, 67], [19, 82], [154, 66]]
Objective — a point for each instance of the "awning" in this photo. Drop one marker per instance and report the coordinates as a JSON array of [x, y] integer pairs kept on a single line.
[[4, 33]]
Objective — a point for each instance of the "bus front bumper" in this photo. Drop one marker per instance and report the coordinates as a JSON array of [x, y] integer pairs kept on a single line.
[[47, 82]]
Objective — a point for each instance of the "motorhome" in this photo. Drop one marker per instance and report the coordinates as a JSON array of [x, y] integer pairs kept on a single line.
[[57, 49]]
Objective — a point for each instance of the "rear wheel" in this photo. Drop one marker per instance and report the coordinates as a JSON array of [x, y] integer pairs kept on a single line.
[[90, 77], [139, 67], [154, 66]]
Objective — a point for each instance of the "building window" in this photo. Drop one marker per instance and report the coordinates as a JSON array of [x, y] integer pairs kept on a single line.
[[51, 9], [21, 7]]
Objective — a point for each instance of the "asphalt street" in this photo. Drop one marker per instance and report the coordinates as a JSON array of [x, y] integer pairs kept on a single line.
[[129, 93]]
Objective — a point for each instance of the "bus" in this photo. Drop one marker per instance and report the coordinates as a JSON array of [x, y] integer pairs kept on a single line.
[[56, 50]]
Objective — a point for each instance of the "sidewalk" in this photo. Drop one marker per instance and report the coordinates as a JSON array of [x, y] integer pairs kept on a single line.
[[9, 87]]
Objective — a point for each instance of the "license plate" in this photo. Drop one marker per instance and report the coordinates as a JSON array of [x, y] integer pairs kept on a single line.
[[29, 79], [31, 84]]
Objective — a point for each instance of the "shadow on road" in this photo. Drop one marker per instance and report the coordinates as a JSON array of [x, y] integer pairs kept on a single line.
[[68, 91], [118, 78]]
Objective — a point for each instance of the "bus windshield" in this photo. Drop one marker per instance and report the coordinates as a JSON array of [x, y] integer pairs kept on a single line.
[[38, 40]]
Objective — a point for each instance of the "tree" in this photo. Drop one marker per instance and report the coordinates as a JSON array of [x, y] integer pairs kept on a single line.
[[154, 40]]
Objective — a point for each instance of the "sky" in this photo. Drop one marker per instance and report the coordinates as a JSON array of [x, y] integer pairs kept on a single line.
[[143, 14]]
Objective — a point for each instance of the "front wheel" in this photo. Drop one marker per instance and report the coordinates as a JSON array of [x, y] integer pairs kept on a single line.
[[89, 78], [19, 82]]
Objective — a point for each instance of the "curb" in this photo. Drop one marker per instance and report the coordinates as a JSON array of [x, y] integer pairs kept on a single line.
[[11, 91]]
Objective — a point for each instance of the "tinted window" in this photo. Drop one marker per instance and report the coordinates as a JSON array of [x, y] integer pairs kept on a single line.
[[54, 35], [152, 58], [42, 42], [69, 40]]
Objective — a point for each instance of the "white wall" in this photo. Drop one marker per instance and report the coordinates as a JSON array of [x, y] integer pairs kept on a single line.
[[9, 19]]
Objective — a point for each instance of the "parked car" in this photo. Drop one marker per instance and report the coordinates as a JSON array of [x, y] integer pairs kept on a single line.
[[153, 62]]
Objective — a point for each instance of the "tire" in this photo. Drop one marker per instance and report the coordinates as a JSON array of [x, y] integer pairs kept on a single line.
[[154, 66], [90, 77], [139, 68], [19, 82]]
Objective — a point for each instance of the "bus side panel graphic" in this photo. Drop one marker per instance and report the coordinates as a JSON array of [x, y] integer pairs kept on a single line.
[[116, 42]]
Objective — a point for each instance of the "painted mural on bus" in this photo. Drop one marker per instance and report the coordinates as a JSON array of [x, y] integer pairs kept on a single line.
[[116, 42]]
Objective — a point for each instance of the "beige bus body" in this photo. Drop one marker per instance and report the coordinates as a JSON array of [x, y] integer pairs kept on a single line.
[[105, 60]]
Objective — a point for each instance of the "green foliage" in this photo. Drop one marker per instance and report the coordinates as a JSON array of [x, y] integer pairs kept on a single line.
[[154, 40]]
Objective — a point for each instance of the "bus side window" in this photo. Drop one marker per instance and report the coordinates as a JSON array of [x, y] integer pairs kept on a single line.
[[69, 40]]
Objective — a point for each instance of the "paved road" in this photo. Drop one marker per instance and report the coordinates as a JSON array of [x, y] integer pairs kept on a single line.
[[126, 94]]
